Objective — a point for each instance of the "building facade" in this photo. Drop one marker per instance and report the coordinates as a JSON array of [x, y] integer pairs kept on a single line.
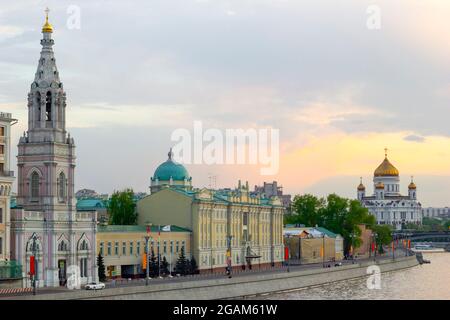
[[45, 223], [386, 203], [6, 181], [123, 247], [250, 226], [433, 212]]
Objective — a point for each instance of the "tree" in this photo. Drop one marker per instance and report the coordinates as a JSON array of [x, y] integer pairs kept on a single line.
[[337, 214], [181, 266], [383, 235], [305, 210], [153, 265], [164, 266], [101, 268], [122, 208], [193, 268]]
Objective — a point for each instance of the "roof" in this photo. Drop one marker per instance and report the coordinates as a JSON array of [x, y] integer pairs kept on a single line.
[[170, 170], [315, 232], [140, 228], [90, 204]]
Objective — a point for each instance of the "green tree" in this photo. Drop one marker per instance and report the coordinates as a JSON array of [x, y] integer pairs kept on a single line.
[[193, 268], [164, 266], [383, 235], [306, 210], [101, 268], [181, 266], [122, 208]]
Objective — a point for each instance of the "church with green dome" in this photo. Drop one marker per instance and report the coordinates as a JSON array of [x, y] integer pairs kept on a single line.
[[170, 174]]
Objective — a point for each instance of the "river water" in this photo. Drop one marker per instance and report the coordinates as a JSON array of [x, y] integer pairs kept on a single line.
[[427, 281]]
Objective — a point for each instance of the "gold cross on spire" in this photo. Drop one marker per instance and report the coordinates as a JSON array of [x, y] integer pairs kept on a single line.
[[47, 10], [385, 152], [47, 28]]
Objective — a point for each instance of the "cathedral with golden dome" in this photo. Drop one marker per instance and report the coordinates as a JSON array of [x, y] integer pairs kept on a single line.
[[386, 203]]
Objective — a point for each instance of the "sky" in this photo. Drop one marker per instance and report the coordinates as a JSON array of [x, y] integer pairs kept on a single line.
[[338, 89]]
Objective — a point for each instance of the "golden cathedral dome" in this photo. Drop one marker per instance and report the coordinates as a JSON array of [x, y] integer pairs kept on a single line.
[[379, 185], [386, 169], [47, 28]]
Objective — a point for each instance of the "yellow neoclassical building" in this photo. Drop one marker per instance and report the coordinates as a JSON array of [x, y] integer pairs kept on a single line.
[[123, 247], [252, 224]]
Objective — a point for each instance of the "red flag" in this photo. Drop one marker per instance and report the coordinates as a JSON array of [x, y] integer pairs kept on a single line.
[[32, 270], [286, 253], [409, 244], [373, 246]]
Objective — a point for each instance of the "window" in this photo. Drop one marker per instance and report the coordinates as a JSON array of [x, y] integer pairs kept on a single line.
[[83, 267], [109, 248], [171, 246], [48, 106], [62, 246], [131, 248], [177, 246], [138, 248], [101, 248], [2, 131], [412, 215], [124, 248], [165, 246], [1, 245], [116, 248], [183, 246], [84, 245], [2, 149], [1, 215], [62, 186], [245, 219], [34, 185]]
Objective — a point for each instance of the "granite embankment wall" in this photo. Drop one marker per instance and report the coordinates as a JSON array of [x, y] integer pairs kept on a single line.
[[225, 288]]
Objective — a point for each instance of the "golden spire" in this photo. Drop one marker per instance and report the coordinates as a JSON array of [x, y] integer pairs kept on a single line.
[[47, 28]]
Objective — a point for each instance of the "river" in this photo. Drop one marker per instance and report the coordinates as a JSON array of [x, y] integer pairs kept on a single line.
[[427, 281]]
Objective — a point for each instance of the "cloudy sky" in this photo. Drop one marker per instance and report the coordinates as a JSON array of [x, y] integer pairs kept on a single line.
[[338, 91]]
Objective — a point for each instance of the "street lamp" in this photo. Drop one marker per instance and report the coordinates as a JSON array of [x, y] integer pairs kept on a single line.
[[288, 236], [147, 247], [34, 249], [229, 262], [352, 235]]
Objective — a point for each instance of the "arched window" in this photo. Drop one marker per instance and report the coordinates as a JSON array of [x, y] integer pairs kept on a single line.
[[62, 186], [48, 106], [62, 246], [35, 185], [84, 245], [38, 104]]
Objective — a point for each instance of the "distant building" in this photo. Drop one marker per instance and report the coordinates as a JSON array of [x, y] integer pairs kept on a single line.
[[386, 203], [306, 244], [98, 205], [270, 189], [123, 247], [433, 212]]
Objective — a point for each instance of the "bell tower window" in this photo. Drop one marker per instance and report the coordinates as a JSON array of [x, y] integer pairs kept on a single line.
[[48, 106], [62, 186], [35, 185]]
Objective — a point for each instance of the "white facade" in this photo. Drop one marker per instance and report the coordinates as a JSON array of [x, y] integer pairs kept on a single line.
[[64, 240], [6, 180], [386, 203], [432, 212]]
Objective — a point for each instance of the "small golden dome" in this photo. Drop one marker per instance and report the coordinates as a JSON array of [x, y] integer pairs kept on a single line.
[[412, 185], [386, 169], [47, 28], [379, 185], [361, 187]]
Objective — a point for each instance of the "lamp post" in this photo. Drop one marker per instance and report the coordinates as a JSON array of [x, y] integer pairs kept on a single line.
[[229, 261], [323, 250], [352, 235], [288, 236], [147, 247], [34, 249]]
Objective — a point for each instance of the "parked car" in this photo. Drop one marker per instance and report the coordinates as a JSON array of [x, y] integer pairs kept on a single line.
[[95, 286]]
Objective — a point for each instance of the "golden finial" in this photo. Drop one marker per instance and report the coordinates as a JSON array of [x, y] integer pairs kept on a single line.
[[385, 152], [47, 28]]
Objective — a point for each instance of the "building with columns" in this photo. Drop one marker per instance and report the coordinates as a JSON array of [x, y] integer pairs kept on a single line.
[[45, 223], [6, 181], [386, 203], [252, 223]]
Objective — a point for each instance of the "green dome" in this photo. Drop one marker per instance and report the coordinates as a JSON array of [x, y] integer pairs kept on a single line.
[[169, 169]]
